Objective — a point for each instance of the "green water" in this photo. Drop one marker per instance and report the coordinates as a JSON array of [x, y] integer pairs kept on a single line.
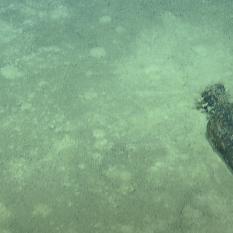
[[98, 127]]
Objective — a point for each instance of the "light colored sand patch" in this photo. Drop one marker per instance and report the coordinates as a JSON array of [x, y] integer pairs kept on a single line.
[[5, 230], [64, 143], [200, 50], [18, 171], [4, 213], [97, 157], [42, 83], [126, 228], [122, 178], [61, 12], [59, 124], [35, 13], [25, 106], [29, 11], [89, 95], [156, 167], [115, 172], [28, 23], [101, 143], [98, 133], [11, 72], [43, 58], [120, 29], [98, 52], [193, 216], [8, 32], [105, 19], [89, 73], [82, 166], [41, 210], [152, 69]]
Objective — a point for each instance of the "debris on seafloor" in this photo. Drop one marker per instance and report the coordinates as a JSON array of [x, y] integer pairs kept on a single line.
[[215, 102]]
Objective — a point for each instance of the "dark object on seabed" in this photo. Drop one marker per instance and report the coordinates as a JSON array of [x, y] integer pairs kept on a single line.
[[215, 102]]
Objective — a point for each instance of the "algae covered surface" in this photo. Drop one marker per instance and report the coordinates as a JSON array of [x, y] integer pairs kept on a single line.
[[99, 131]]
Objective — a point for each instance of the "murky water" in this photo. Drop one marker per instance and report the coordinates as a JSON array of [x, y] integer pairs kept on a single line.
[[99, 131]]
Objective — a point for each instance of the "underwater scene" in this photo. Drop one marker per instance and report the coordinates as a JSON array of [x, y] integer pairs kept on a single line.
[[100, 131]]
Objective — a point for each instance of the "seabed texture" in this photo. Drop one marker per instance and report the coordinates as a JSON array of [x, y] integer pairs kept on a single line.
[[98, 127]]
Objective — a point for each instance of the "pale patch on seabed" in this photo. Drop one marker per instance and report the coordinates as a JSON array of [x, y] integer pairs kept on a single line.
[[98, 52], [5, 215], [106, 19], [122, 177], [8, 32], [57, 12], [11, 72], [41, 210]]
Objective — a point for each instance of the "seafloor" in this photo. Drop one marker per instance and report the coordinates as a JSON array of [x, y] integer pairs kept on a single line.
[[98, 127]]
